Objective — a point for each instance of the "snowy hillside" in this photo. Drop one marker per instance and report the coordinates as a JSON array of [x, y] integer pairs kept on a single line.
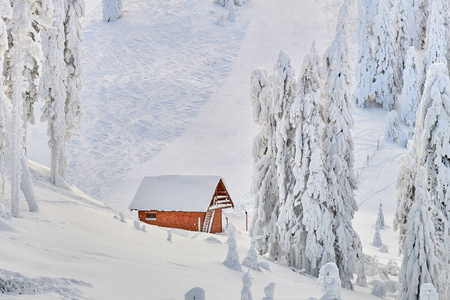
[[75, 248], [166, 91]]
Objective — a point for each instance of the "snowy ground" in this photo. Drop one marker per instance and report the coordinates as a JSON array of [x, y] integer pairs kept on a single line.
[[166, 91]]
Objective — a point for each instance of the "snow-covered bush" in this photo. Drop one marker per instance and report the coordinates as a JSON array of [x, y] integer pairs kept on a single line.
[[251, 260], [428, 292], [196, 293], [393, 268], [169, 235], [122, 218], [379, 290], [143, 228], [112, 10], [361, 278], [329, 281], [269, 291], [232, 260], [137, 225], [246, 294], [384, 249]]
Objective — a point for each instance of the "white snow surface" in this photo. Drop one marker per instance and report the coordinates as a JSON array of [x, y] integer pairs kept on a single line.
[[166, 91], [175, 193]]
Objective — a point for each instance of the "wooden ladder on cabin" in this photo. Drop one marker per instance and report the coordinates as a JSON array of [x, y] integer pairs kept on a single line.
[[208, 221]]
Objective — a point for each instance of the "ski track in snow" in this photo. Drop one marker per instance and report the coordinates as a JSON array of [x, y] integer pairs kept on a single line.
[[144, 82]]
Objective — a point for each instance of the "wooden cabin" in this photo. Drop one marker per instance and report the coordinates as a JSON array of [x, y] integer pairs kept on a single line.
[[182, 201]]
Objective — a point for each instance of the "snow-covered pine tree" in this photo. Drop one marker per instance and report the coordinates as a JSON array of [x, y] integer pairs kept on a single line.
[[402, 41], [284, 90], [420, 264], [265, 184], [377, 236], [338, 147], [393, 131], [72, 54], [365, 66], [428, 149], [112, 10], [371, 12], [23, 51], [232, 260], [53, 89], [417, 21], [380, 219], [410, 91], [251, 260], [5, 104], [311, 240], [436, 51], [246, 293], [385, 91]]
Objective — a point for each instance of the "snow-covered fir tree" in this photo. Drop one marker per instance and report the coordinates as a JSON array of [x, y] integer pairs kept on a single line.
[[402, 41], [265, 183], [371, 12], [365, 66], [232, 260], [112, 10], [428, 149], [410, 91], [5, 104], [284, 90], [420, 263], [393, 131], [311, 239], [24, 51], [72, 54], [385, 91], [338, 147], [53, 89], [436, 50], [417, 13], [251, 260], [246, 293], [377, 242], [380, 219]]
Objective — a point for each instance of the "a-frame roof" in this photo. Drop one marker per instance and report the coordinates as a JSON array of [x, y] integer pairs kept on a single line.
[[177, 193]]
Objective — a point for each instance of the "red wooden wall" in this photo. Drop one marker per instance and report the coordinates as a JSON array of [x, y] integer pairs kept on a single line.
[[182, 219]]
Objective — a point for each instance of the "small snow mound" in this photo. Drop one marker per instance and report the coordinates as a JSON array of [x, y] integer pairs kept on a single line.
[[4, 214], [384, 249], [212, 240], [196, 293], [137, 225]]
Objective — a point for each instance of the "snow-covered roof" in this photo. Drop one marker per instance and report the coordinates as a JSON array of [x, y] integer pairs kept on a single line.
[[175, 193]]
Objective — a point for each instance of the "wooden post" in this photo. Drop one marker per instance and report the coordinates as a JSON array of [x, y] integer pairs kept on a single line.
[[246, 221]]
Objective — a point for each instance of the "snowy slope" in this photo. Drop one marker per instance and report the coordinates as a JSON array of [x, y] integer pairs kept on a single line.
[[166, 91], [75, 248]]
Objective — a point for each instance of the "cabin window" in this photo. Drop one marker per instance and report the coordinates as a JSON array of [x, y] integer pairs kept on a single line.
[[150, 216]]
